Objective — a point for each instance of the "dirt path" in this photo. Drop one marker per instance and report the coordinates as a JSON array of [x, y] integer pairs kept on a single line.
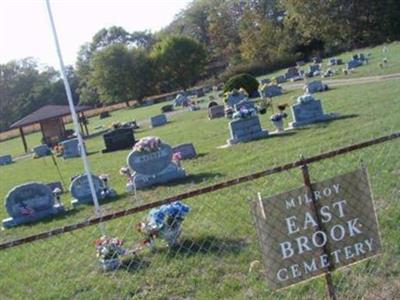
[[347, 81]]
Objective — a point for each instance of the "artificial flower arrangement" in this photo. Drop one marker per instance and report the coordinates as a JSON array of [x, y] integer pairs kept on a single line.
[[109, 250], [245, 113], [305, 98], [147, 144], [130, 185], [278, 116], [163, 222], [177, 157], [58, 150]]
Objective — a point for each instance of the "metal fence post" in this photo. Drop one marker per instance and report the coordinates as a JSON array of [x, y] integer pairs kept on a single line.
[[316, 208]]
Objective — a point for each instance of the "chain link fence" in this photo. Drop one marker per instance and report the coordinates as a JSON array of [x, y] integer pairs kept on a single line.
[[217, 255]]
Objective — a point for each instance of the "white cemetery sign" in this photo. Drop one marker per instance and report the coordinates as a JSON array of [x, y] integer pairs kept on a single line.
[[296, 248]]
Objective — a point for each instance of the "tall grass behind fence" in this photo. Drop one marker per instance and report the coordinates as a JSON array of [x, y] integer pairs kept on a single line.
[[218, 254]]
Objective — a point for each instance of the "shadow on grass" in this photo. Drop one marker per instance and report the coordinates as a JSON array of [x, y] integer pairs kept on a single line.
[[207, 245], [134, 264], [192, 178], [327, 122], [338, 118]]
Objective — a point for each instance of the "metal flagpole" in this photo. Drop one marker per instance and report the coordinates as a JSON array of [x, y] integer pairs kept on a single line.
[[73, 114]]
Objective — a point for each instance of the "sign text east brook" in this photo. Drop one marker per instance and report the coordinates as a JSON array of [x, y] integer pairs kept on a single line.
[[300, 241]]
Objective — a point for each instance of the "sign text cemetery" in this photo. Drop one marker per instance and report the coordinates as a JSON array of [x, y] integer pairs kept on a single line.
[[301, 238]]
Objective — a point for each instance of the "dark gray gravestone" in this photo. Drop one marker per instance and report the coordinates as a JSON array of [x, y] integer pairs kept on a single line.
[[104, 114], [291, 73], [244, 130], [119, 139], [71, 148], [5, 160], [80, 190], [42, 150], [154, 167], [216, 111], [307, 111], [271, 91], [158, 120], [187, 151], [167, 108], [30, 202]]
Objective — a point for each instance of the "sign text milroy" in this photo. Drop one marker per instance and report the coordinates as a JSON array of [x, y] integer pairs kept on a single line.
[[300, 240]]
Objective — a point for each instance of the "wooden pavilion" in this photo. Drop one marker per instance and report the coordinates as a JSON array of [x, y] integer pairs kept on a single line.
[[51, 120]]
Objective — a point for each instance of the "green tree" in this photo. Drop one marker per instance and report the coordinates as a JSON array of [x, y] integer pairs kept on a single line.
[[180, 61], [111, 74]]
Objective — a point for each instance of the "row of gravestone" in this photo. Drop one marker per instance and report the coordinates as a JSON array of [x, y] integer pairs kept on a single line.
[[246, 124], [34, 201]]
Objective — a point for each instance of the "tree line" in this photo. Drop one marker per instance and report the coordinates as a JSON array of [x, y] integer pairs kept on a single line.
[[208, 40]]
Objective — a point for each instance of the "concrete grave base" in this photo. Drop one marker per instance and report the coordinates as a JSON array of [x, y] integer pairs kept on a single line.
[[36, 216], [255, 136], [320, 119], [170, 173]]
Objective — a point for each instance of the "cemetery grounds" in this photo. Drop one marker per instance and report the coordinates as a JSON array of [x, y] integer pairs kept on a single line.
[[218, 256]]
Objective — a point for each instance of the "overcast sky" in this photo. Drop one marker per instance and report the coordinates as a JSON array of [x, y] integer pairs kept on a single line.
[[25, 28]]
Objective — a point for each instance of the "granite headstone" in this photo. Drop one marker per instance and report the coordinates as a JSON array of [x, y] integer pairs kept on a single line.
[[308, 110], [119, 139], [216, 111], [29, 203], [154, 167], [315, 86], [158, 120], [5, 160], [167, 108], [272, 90], [41, 150], [80, 190], [71, 148], [187, 151], [246, 129]]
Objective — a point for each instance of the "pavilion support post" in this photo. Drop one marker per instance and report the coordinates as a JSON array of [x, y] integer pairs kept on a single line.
[[85, 123], [21, 131]]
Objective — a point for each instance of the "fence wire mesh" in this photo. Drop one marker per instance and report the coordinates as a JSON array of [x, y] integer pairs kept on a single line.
[[217, 255]]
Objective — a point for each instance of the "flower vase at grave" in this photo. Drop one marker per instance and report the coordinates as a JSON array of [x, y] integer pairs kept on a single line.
[[279, 125]]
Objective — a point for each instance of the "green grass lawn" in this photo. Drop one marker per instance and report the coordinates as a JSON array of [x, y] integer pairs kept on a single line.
[[219, 241]]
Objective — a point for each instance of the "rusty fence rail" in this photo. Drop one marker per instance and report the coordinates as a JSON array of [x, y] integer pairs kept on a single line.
[[200, 191]]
